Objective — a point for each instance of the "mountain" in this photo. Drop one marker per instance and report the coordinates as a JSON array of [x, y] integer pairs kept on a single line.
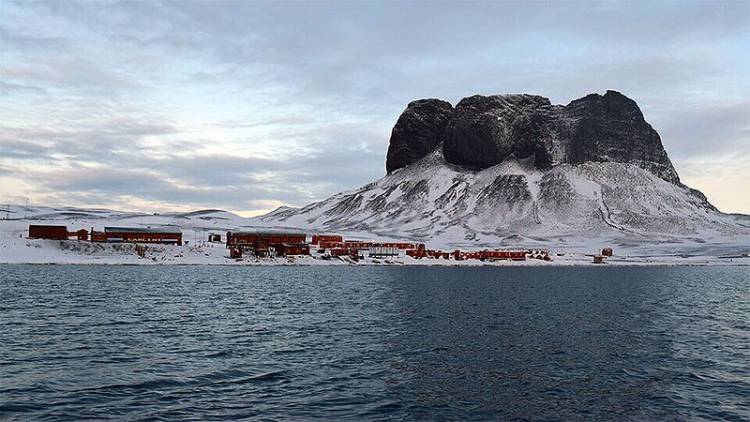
[[517, 170], [483, 131]]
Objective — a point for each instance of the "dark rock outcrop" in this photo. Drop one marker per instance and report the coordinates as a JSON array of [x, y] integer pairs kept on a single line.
[[483, 131], [418, 132], [611, 127]]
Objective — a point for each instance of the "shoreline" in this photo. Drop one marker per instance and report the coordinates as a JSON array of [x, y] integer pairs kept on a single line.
[[519, 264], [73, 252]]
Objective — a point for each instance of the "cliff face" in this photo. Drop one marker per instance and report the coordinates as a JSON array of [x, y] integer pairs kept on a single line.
[[417, 132], [483, 131], [612, 128]]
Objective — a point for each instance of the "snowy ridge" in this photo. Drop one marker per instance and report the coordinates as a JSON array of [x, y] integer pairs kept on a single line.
[[513, 203], [195, 224]]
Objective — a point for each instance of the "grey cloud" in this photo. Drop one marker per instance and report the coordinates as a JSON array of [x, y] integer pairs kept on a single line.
[[103, 180], [7, 170], [706, 130], [96, 141], [216, 170], [30, 42], [221, 179], [23, 150], [69, 72], [7, 88], [361, 48], [113, 185]]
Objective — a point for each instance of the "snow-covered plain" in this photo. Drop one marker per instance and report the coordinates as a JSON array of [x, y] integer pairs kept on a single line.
[[34, 251]]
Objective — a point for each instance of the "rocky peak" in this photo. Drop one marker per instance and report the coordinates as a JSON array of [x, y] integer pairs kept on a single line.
[[482, 131], [611, 127], [417, 132], [486, 130]]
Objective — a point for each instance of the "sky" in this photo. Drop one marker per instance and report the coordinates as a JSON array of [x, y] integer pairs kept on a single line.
[[247, 106]]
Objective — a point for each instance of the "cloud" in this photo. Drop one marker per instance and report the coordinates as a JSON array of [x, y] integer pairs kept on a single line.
[[11, 88], [707, 130], [114, 185], [7, 170], [243, 105], [97, 141]]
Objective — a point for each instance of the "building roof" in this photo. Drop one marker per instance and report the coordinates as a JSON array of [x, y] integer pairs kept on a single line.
[[268, 233], [170, 230]]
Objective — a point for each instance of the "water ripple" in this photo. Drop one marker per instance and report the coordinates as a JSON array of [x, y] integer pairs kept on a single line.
[[194, 343]]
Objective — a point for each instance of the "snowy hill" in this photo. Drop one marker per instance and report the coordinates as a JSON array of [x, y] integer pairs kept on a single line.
[[195, 224], [514, 203], [516, 170]]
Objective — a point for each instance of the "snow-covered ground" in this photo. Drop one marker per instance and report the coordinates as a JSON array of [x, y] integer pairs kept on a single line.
[[16, 248], [28, 251]]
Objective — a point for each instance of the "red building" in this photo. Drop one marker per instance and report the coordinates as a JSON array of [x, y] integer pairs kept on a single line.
[[324, 244], [98, 236], [166, 235], [264, 243], [419, 252], [397, 245], [37, 231], [458, 255], [246, 239], [415, 253], [352, 253], [82, 234], [498, 255], [287, 249], [340, 252], [357, 244], [317, 238], [235, 253]]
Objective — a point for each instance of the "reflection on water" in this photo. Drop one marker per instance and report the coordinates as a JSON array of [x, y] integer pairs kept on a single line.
[[374, 343]]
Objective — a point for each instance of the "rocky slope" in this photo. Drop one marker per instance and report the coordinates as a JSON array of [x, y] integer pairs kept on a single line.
[[516, 170]]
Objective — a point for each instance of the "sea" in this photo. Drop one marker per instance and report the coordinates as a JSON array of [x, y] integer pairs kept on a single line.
[[180, 343]]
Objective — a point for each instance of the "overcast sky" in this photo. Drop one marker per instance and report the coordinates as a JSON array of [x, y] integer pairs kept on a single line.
[[246, 106]]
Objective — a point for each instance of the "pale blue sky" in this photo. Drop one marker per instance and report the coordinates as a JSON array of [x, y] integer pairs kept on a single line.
[[245, 106]]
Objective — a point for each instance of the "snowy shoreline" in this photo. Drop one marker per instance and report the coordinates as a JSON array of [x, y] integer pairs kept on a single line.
[[73, 252], [447, 265], [16, 248]]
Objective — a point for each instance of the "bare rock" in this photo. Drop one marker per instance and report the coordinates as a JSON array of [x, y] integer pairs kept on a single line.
[[417, 132]]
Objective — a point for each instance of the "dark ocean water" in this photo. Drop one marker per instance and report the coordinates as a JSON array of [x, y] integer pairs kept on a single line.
[[374, 343]]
